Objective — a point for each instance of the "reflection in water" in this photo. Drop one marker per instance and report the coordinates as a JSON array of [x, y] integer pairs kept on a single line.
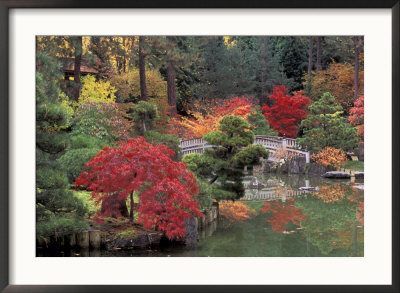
[[235, 211], [282, 214], [287, 223]]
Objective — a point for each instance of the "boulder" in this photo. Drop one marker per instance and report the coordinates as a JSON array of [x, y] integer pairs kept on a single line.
[[359, 175], [282, 168], [336, 175], [297, 165], [316, 169]]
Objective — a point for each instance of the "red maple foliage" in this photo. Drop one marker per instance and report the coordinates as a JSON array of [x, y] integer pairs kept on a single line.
[[282, 214], [205, 116], [287, 112], [165, 187], [356, 117]]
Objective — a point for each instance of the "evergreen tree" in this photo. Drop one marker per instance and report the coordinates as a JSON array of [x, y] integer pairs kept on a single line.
[[58, 212], [233, 149], [293, 52], [259, 124], [144, 116], [325, 126]]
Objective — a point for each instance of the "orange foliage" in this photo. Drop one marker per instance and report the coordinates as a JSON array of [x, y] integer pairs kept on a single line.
[[235, 211], [282, 214], [204, 117], [330, 157], [337, 79], [331, 193], [358, 197]]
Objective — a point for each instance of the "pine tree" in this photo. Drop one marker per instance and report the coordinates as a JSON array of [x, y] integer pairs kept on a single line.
[[325, 126], [233, 149], [58, 212]]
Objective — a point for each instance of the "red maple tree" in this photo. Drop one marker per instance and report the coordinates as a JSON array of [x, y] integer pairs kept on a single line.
[[287, 112], [356, 117], [282, 214], [165, 187]]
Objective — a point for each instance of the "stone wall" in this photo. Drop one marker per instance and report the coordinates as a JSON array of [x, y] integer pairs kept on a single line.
[[296, 165]]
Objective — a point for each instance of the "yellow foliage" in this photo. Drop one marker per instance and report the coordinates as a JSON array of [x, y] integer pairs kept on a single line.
[[66, 105], [128, 88], [337, 79], [96, 91], [330, 157], [128, 85], [229, 43]]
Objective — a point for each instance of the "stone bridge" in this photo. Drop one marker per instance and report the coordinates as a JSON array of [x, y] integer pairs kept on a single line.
[[271, 143]]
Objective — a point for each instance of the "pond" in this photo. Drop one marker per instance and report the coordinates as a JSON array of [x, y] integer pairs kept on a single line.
[[286, 222]]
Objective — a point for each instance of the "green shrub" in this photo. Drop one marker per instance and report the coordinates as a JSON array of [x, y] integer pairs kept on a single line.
[[60, 226], [49, 178], [59, 201], [73, 161], [83, 141]]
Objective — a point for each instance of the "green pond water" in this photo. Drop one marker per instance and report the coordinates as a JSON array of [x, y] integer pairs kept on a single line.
[[328, 222]]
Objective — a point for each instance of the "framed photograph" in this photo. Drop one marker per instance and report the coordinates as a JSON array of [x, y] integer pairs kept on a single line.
[[199, 146]]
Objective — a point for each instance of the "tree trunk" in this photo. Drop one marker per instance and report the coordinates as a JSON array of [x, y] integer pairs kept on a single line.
[[142, 70], [77, 67], [309, 72], [310, 57], [171, 84], [319, 53], [264, 61], [131, 207], [356, 67]]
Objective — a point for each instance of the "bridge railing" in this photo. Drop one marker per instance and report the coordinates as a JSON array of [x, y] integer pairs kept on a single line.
[[272, 143]]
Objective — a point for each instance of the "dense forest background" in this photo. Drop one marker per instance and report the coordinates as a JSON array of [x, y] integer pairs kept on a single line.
[[214, 67]]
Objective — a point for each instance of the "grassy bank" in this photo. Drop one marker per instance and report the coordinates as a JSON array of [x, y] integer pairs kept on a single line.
[[354, 165]]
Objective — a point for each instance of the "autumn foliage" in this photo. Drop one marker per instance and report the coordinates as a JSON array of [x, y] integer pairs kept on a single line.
[[204, 117], [358, 198], [235, 211], [330, 157], [338, 79], [165, 187], [331, 193], [282, 214], [285, 115], [356, 117]]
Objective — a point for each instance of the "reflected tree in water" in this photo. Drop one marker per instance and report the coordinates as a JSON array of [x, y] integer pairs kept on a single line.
[[282, 214]]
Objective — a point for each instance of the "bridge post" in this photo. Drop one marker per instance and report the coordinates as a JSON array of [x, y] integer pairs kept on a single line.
[[307, 157], [284, 142]]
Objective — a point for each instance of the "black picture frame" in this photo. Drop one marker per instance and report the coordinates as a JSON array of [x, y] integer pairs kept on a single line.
[[6, 5]]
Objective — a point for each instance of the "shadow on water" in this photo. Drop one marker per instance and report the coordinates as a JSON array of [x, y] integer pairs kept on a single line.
[[328, 222]]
